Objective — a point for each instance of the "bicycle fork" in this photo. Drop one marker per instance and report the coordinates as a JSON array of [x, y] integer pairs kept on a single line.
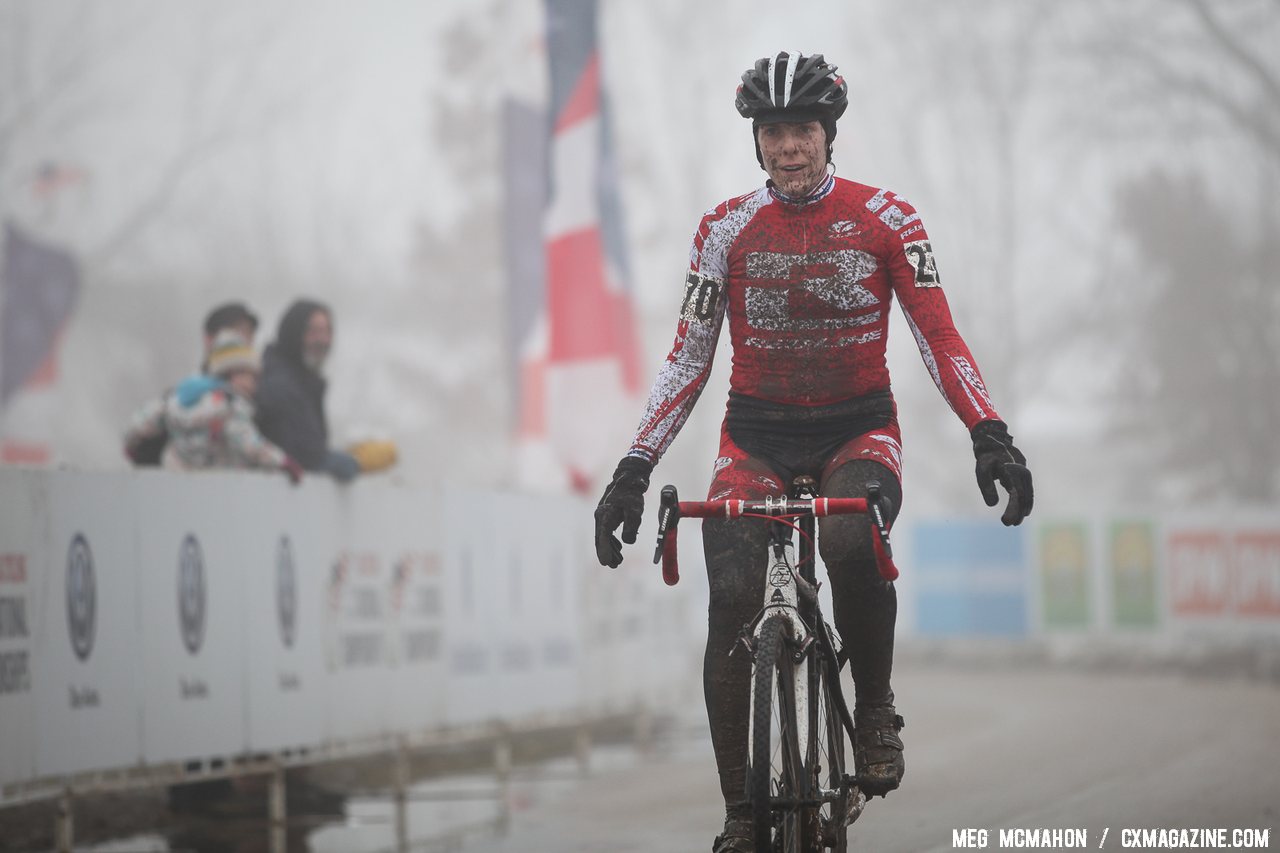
[[782, 599]]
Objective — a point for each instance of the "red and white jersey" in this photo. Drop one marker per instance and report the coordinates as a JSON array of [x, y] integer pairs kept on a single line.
[[807, 286]]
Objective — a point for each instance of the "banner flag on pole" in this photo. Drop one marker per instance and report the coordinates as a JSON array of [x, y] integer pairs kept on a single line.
[[40, 286], [576, 345]]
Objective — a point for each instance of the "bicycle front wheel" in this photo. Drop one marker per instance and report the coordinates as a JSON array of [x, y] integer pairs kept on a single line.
[[775, 778], [827, 766]]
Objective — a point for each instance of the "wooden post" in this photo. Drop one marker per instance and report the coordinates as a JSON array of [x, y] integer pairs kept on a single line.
[[582, 748], [502, 762], [64, 824], [400, 782], [644, 729], [276, 811]]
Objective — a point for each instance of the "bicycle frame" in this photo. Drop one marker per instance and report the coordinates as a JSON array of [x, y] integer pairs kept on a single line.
[[790, 596], [782, 599]]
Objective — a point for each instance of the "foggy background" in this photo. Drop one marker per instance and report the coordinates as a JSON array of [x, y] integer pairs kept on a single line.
[[1098, 180]]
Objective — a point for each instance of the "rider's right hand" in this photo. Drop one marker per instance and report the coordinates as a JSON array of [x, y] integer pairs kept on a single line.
[[622, 503]]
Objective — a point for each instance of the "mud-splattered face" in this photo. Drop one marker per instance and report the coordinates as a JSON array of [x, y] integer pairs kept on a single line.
[[795, 155]]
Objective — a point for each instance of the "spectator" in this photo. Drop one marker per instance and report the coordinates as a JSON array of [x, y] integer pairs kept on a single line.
[[291, 397], [229, 315], [146, 438], [209, 416]]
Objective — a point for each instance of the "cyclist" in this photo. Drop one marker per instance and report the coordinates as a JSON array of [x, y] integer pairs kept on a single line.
[[805, 268]]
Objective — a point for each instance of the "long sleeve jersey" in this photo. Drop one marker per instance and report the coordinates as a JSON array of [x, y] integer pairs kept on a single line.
[[806, 286]]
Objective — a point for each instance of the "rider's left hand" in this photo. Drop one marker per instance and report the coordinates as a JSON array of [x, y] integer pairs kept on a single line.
[[999, 460]]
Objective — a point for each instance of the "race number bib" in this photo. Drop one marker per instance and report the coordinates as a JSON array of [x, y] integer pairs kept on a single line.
[[920, 256]]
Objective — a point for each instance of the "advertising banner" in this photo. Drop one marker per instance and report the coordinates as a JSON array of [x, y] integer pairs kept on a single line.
[[1256, 581], [88, 657], [1065, 567], [1131, 559], [416, 610], [286, 536], [1199, 572], [191, 569], [473, 577], [356, 631], [539, 622], [971, 579], [156, 617], [22, 550], [404, 527]]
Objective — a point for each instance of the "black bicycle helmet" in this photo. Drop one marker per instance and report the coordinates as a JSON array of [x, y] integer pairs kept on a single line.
[[792, 87]]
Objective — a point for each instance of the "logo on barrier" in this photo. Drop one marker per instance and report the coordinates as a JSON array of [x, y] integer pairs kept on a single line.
[[286, 592], [82, 597], [191, 594]]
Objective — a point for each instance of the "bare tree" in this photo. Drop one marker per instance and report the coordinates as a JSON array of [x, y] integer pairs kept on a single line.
[[53, 87], [458, 304], [1197, 400]]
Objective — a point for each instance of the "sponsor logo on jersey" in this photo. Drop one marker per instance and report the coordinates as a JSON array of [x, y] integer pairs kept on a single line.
[[844, 228], [972, 383], [842, 302]]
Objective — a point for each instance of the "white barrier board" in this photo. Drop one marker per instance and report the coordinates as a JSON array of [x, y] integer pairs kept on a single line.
[[155, 617], [288, 538], [191, 573], [89, 657]]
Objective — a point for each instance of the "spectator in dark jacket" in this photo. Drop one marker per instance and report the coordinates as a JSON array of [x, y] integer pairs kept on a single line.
[[290, 399]]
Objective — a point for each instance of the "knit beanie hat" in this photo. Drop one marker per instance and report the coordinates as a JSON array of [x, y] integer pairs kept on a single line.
[[231, 352]]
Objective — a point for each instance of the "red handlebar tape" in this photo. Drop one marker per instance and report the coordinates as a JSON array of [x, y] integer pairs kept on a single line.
[[737, 508]]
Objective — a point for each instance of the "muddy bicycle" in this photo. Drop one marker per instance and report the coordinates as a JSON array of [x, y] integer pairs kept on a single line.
[[802, 798]]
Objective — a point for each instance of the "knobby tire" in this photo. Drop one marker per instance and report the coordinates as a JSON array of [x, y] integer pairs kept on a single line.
[[828, 771], [774, 678]]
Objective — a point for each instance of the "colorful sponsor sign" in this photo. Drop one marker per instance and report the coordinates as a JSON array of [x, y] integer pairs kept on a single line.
[[970, 579], [1131, 559], [1256, 573], [1216, 573], [1199, 573], [1064, 575]]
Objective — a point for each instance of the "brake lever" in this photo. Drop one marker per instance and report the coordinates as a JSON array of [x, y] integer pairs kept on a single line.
[[668, 515], [877, 516]]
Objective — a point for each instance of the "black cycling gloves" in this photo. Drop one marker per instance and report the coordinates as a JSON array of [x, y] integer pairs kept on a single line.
[[623, 503], [999, 460]]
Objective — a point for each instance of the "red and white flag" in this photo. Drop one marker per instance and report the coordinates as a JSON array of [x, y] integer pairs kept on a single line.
[[573, 327]]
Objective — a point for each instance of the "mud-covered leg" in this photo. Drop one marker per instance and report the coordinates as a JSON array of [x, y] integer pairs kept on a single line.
[[735, 554], [866, 609]]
